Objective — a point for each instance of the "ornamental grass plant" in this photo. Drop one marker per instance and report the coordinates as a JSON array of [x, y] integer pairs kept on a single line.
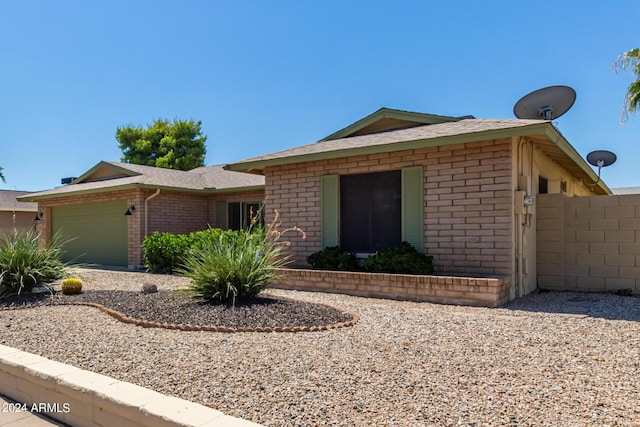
[[236, 265], [24, 263]]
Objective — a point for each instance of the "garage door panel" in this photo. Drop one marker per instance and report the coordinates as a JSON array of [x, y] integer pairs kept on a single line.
[[96, 233]]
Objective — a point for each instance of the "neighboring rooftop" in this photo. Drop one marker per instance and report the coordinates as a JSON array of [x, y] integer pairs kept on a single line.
[[9, 202], [111, 176], [626, 190]]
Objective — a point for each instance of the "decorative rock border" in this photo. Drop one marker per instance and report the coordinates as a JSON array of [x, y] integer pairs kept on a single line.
[[228, 329]]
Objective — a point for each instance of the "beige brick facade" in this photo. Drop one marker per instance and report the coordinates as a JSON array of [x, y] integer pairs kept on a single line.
[[169, 211], [468, 202], [486, 292]]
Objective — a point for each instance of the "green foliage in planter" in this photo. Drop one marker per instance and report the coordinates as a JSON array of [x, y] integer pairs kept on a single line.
[[237, 265], [24, 263], [165, 252], [333, 258], [399, 259]]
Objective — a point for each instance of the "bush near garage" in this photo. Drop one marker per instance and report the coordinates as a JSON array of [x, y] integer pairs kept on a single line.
[[164, 253], [24, 263]]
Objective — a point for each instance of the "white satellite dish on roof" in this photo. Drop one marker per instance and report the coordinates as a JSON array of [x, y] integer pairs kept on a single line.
[[547, 103]]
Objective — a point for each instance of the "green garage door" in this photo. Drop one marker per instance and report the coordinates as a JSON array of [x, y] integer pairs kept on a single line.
[[98, 230]]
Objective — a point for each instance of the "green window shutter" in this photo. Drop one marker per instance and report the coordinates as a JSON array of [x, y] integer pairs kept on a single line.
[[413, 207], [221, 215], [329, 206]]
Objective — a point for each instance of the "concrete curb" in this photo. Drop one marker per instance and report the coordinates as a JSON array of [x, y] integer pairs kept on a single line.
[[82, 398]]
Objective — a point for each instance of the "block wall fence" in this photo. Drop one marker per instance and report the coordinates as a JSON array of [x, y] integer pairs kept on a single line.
[[588, 243], [468, 202]]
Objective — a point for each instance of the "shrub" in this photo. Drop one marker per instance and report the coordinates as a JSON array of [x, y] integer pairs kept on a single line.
[[399, 259], [24, 264], [165, 252], [333, 258], [235, 265], [71, 285]]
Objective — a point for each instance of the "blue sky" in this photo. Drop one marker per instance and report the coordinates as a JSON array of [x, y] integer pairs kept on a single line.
[[269, 75]]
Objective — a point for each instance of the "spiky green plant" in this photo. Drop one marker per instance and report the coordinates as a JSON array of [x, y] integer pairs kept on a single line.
[[24, 263], [236, 265]]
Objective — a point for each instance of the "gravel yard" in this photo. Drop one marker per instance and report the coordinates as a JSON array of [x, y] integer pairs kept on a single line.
[[547, 359]]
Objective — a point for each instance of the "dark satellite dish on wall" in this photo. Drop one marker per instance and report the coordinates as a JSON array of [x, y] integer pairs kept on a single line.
[[601, 159], [547, 103]]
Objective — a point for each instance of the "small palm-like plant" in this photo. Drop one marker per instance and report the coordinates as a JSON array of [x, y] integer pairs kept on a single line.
[[236, 265], [24, 263]]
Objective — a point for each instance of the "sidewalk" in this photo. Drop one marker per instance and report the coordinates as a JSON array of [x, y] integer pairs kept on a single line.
[[11, 416]]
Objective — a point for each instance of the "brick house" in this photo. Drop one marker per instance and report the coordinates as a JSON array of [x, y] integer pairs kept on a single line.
[[458, 188], [16, 215], [109, 210]]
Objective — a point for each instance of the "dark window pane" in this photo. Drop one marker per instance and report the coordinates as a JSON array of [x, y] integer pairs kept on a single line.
[[370, 211], [543, 185], [235, 217]]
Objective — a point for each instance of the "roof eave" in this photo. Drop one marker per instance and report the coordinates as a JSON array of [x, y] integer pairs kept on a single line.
[[106, 164], [258, 166], [552, 133], [387, 113]]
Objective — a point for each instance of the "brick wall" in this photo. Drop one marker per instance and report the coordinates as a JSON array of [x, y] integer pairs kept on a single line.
[[468, 202], [486, 292], [588, 243], [172, 212]]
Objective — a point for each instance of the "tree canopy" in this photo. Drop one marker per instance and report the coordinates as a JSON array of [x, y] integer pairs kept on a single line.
[[630, 59], [1, 176], [173, 145]]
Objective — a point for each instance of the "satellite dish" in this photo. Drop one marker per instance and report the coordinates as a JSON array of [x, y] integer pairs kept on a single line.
[[601, 159], [547, 103]]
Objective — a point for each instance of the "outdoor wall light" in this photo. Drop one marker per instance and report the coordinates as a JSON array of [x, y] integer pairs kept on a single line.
[[38, 216], [130, 210]]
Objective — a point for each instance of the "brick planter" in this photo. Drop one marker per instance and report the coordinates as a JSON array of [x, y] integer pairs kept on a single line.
[[486, 292]]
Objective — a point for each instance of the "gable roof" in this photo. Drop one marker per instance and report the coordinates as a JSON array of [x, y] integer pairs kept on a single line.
[[542, 132], [113, 176], [9, 202], [386, 119]]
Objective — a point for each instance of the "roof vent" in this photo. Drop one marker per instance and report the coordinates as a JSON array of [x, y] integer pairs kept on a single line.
[[65, 181]]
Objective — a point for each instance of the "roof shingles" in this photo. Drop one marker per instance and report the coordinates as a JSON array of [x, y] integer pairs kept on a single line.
[[203, 179]]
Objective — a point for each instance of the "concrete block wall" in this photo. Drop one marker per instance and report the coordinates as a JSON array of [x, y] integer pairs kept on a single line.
[[485, 292], [589, 243], [468, 198], [82, 398]]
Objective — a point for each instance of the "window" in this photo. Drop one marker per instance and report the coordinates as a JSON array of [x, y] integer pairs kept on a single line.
[[239, 214], [543, 185], [370, 211]]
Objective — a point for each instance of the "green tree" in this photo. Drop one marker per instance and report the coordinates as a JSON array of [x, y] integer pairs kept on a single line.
[[630, 59], [2, 176], [173, 145]]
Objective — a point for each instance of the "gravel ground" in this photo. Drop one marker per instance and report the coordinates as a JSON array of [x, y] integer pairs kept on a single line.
[[554, 359], [174, 307]]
